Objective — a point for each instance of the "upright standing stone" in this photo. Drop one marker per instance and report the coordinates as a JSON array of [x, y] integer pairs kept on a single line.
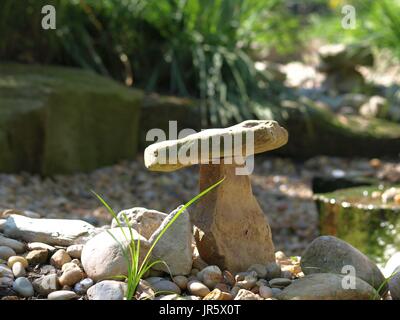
[[228, 220]]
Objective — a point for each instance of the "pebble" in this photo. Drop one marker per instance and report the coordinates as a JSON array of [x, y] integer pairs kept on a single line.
[[144, 291], [17, 246], [279, 282], [62, 295], [82, 286], [198, 289], [279, 255], [260, 269], [18, 270], [46, 284], [72, 274], [14, 259], [165, 287], [248, 282], [59, 258], [6, 252], [40, 246], [210, 276], [229, 278], [75, 251], [107, 290], [6, 277], [181, 282], [265, 292], [23, 287], [223, 287], [276, 291], [273, 271], [244, 294], [234, 291], [217, 294], [37, 256]]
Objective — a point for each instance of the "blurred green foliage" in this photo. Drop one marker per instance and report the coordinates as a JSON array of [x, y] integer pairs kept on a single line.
[[205, 49], [198, 48]]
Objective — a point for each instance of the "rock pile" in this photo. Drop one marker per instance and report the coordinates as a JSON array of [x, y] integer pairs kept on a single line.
[[34, 270]]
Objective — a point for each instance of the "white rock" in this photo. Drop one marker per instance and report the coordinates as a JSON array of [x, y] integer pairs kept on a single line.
[[62, 295], [75, 251], [198, 289], [102, 256], [61, 232], [107, 290], [175, 246], [210, 276], [82, 286], [40, 246], [18, 270], [23, 287], [244, 294], [144, 221]]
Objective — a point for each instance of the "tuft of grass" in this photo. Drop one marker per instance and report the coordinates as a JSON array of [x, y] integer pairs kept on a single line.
[[137, 270]]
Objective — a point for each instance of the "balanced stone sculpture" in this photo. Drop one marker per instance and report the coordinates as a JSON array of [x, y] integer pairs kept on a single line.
[[231, 229]]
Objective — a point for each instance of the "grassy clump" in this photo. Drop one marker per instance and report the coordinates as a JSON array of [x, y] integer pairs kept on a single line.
[[137, 270]]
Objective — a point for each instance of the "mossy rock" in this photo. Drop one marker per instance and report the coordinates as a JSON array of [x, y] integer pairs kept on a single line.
[[63, 120], [352, 214], [315, 130]]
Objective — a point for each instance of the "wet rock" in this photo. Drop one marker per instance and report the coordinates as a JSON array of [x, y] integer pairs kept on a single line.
[[327, 286], [103, 258], [328, 254], [107, 290], [144, 221]]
